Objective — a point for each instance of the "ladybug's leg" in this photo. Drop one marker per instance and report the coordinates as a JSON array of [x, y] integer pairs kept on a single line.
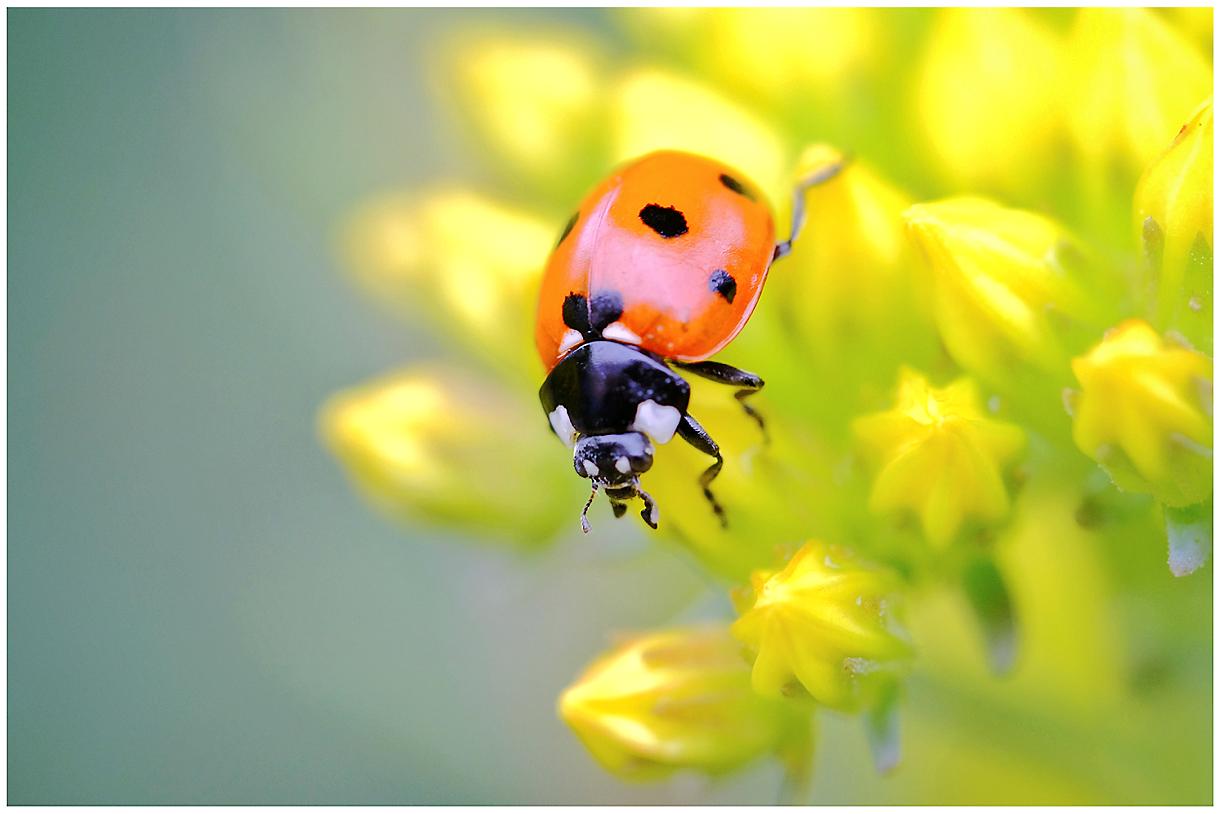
[[747, 383], [798, 203], [694, 434]]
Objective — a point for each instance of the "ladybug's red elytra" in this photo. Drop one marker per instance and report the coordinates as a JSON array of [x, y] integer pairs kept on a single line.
[[659, 268]]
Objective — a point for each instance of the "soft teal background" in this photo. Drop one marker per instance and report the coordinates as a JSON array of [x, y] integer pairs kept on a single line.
[[200, 608]]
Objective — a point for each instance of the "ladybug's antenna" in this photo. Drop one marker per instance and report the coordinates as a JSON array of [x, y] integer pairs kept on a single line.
[[798, 201], [584, 515]]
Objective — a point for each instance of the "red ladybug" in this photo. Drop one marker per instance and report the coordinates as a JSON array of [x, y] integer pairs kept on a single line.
[[659, 268]]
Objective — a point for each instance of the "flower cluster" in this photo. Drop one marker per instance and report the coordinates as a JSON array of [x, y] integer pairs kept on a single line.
[[1000, 317]]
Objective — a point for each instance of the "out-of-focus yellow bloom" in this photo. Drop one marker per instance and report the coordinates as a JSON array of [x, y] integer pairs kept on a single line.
[[538, 103], [679, 699], [451, 449], [653, 109], [822, 622], [939, 455], [1133, 80], [1195, 21], [850, 274], [997, 277], [464, 260], [775, 53], [986, 95], [1144, 412], [1173, 209]]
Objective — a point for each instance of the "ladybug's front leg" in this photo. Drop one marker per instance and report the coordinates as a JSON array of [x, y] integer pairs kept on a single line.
[[747, 383], [693, 433]]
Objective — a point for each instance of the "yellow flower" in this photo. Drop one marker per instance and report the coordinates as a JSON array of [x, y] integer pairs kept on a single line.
[[1144, 412], [1133, 81], [679, 699], [937, 454], [1173, 209], [986, 96], [452, 449], [998, 277], [822, 622]]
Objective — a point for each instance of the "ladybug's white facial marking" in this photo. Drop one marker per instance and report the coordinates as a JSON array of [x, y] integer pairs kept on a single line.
[[590, 468], [622, 464], [657, 421], [570, 340], [561, 423], [619, 332]]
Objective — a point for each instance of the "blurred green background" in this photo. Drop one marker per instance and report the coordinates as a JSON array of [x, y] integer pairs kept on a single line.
[[201, 610]]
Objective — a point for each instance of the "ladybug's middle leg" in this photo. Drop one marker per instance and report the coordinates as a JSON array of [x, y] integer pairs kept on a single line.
[[693, 433], [747, 384]]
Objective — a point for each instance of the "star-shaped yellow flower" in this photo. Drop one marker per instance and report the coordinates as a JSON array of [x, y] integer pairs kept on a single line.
[[820, 621], [1144, 412], [938, 454]]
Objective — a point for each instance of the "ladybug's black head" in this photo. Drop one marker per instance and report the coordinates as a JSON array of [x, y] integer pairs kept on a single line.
[[613, 460], [615, 463]]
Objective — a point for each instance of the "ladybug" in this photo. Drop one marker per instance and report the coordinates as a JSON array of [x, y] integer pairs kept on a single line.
[[658, 269]]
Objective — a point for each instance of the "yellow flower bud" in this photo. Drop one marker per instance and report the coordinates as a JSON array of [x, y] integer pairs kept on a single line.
[[467, 263], [1132, 81], [821, 622], [537, 103], [1144, 412], [937, 454], [986, 95], [998, 276], [847, 282], [679, 699], [452, 449], [1173, 210]]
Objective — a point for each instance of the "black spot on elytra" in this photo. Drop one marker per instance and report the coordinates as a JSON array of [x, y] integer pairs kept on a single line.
[[735, 185], [722, 283], [604, 308], [591, 316], [567, 229], [664, 220], [576, 313]]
